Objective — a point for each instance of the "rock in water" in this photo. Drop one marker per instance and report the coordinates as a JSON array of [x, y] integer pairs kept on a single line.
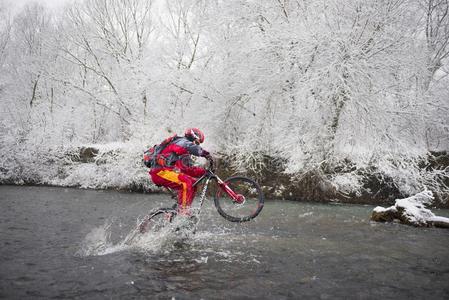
[[411, 211], [381, 214]]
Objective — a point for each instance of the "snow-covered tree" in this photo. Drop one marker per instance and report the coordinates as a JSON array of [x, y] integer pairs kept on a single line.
[[323, 85]]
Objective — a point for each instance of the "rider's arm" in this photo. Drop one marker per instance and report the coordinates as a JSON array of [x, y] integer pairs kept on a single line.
[[195, 149]]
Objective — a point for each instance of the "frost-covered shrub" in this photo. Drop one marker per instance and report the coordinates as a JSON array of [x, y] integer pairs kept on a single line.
[[115, 166]]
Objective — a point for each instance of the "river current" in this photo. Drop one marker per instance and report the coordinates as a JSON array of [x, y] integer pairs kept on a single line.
[[68, 243]]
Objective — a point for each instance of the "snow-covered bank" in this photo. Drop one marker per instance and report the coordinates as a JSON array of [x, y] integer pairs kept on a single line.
[[111, 166], [119, 166], [411, 211]]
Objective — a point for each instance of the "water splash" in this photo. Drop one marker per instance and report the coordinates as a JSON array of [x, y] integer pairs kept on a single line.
[[173, 243], [108, 238], [98, 241]]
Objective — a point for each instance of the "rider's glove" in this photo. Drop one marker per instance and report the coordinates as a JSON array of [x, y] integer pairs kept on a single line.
[[205, 153]]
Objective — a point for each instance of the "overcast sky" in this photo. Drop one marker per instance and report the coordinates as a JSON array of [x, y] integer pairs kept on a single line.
[[49, 3]]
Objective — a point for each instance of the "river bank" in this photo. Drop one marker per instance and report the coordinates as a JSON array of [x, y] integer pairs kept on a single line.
[[119, 167]]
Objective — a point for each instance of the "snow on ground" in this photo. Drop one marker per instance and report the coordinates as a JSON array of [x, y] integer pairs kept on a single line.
[[411, 211], [114, 166]]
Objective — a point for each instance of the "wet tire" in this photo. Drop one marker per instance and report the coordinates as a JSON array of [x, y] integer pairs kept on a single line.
[[156, 220], [153, 222], [240, 212]]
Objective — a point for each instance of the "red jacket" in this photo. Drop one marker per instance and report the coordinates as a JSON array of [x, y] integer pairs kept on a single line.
[[178, 157]]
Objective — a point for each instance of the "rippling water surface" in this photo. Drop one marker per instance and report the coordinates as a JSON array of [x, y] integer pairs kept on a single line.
[[68, 243]]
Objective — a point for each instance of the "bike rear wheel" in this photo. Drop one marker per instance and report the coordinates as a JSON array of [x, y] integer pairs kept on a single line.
[[156, 220], [250, 199]]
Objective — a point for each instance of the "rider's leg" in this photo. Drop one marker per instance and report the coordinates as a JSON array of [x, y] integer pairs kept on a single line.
[[179, 181], [186, 194], [168, 178]]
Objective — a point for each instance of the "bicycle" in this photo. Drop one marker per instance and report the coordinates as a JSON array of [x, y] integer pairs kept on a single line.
[[237, 199]]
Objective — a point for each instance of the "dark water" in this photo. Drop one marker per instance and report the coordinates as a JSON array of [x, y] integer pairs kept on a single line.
[[66, 243]]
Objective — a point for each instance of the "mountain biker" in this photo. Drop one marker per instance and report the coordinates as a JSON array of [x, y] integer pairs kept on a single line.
[[178, 172]]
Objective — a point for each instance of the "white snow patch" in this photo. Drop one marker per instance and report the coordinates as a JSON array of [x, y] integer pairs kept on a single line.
[[439, 219], [347, 183], [413, 207], [380, 209], [413, 211]]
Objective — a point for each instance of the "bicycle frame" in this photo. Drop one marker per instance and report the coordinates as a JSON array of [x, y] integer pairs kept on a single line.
[[210, 175], [206, 177]]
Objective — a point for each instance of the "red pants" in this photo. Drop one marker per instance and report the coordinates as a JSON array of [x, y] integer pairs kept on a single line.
[[179, 181]]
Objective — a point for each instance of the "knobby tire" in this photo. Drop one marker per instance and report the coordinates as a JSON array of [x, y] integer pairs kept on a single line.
[[233, 211]]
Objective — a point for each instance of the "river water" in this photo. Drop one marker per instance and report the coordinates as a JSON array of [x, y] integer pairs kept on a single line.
[[68, 243]]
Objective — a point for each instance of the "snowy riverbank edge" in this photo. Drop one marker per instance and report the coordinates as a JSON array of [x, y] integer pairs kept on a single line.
[[119, 167], [411, 211]]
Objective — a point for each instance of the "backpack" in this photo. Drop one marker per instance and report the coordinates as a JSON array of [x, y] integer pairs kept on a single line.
[[153, 158]]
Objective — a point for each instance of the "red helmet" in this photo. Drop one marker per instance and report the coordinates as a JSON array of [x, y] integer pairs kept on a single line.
[[194, 135]]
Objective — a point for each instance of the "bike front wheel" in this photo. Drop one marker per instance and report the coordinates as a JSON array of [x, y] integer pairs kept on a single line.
[[239, 199]]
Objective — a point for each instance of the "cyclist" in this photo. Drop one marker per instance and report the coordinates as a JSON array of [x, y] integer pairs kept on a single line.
[[176, 170]]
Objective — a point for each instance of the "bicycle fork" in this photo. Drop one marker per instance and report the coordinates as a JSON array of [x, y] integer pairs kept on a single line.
[[236, 197]]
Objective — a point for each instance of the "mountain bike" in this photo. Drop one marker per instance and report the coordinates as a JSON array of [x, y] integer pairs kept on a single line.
[[237, 199]]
